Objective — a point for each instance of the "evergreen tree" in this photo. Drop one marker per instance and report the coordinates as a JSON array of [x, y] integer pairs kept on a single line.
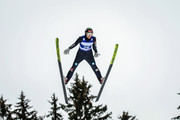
[[41, 117], [54, 109], [178, 117], [81, 106], [5, 109], [22, 111], [126, 116]]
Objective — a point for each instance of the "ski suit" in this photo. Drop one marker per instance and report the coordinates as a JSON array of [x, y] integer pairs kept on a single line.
[[85, 53]]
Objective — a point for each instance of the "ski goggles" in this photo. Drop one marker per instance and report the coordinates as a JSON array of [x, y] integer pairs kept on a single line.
[[90, 31]]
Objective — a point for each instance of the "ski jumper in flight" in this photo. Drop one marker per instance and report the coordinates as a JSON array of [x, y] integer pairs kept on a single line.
[[87, 42]]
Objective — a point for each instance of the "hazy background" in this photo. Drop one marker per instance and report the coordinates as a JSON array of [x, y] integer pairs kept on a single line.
[[146, 74]]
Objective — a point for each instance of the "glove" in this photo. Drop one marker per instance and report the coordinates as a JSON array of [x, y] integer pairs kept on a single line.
[[96, 55], [66, 51]]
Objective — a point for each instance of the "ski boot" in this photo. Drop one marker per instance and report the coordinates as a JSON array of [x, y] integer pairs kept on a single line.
[[101, 80], [66, 80]]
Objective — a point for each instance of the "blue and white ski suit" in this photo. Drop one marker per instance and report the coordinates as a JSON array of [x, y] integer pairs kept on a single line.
[[85, 53]]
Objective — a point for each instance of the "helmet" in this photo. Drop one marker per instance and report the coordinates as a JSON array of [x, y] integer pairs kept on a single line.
[[88, 30]]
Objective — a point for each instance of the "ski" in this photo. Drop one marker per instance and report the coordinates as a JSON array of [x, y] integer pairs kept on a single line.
[[107, 74], [60, 70]]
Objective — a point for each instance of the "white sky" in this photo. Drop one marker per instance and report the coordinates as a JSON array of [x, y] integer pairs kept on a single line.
[[146, 74]]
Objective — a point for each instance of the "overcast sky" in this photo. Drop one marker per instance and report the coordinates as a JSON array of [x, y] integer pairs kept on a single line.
[[146, 74]]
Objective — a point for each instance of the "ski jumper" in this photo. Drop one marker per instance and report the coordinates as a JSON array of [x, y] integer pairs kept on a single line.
[[85, 53]]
